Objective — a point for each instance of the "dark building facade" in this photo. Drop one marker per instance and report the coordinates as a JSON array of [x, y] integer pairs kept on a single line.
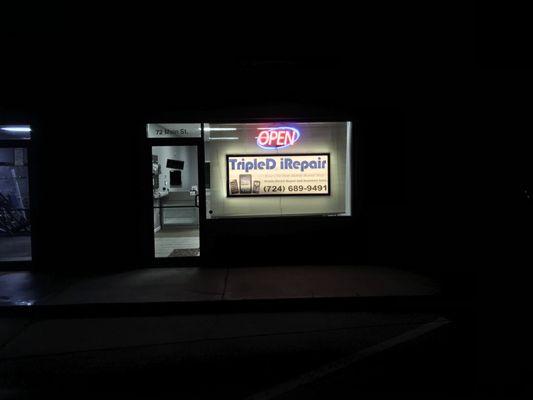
[[262, 185]]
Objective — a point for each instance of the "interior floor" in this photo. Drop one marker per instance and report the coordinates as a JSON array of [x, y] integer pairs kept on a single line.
[[177, 241]]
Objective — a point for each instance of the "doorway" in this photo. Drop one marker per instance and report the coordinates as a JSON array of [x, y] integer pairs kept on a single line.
[[175, 188]]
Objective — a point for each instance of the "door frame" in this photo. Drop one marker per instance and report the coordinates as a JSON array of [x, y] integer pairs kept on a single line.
[[197, 142]]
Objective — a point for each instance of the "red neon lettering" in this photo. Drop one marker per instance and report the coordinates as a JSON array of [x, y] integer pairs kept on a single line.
[[273, 137], [295, 136], [277, 138], [290, 137], [263, 138], [282, 138]]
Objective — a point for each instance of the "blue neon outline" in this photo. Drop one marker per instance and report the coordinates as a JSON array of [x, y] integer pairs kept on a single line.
[[282, 147]]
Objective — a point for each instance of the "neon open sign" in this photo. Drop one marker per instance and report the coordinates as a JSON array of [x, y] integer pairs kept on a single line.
[[277, 138]]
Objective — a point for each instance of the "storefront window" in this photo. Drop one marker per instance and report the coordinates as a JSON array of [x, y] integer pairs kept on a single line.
[[15, 224], [278, 169]]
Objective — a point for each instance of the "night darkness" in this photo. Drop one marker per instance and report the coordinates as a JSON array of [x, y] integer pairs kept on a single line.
[[423, 206]]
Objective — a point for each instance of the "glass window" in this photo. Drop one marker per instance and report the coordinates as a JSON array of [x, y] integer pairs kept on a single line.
[[278, 169], [15, 224]]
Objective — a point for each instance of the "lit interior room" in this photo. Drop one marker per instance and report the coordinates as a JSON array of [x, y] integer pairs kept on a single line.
[[175, 201]]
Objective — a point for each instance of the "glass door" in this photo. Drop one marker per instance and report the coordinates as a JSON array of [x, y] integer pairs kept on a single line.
[[175, 189]]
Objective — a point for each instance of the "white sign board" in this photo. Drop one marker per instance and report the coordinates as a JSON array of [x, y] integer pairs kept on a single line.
[[277, 175], [174, 130]]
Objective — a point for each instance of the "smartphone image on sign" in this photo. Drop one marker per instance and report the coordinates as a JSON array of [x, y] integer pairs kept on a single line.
[[256, 187], [234, 186], [245, 183]]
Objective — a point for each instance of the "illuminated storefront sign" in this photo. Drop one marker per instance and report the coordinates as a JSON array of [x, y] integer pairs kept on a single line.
[[277, 175], [277, 138]]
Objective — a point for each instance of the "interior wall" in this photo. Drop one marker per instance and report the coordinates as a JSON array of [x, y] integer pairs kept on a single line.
[[189, 178], [189, 174]]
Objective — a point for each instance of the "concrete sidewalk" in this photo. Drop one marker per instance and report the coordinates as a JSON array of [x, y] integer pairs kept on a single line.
[[188, 285], [126, 331]]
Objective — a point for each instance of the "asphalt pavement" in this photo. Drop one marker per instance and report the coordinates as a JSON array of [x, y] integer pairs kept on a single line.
[[238, 355]]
